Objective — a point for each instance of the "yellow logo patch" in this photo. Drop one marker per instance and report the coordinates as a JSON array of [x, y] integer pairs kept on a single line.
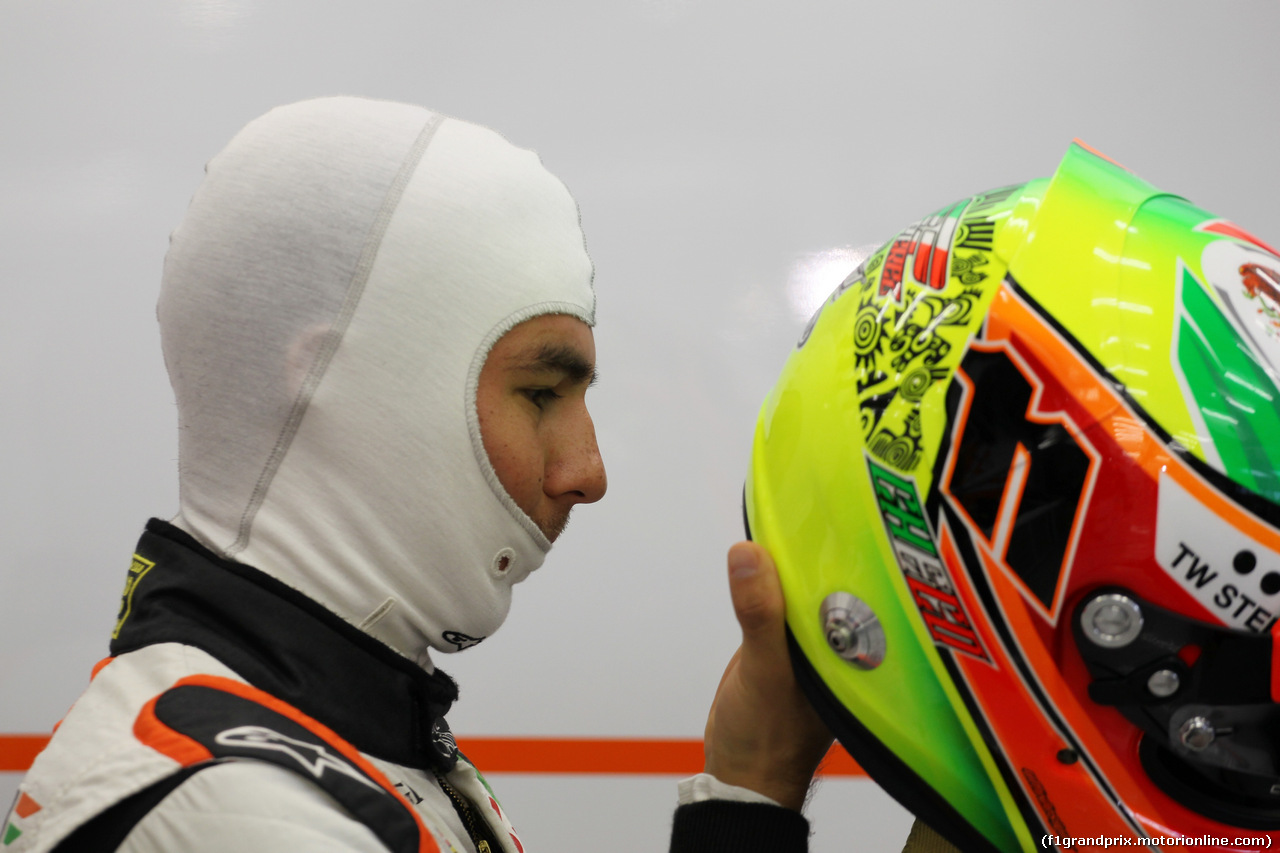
[[137, 569]]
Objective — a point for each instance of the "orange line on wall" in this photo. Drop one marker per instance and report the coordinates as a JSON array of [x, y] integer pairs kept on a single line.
[[528, 755], [18, 751], [612, 755]]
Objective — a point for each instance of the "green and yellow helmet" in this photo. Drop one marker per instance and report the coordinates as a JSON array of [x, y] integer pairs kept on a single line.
[[1021, 478]]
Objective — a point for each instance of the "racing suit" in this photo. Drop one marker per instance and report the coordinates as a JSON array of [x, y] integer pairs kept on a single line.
[[189, 620]]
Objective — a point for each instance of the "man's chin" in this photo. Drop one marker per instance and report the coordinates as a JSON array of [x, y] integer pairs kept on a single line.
[[553, 527]]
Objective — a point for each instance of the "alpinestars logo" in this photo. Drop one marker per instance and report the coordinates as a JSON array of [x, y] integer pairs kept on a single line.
[[316, 759], [461, 640], [443, 738]]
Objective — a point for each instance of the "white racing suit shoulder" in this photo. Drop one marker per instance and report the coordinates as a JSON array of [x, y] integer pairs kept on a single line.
[[249, 805], [95, 760]]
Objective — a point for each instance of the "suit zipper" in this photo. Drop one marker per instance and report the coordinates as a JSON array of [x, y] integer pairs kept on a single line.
[[475, 825]]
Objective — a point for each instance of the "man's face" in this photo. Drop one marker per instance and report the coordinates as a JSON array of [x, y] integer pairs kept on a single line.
[[534, 422]]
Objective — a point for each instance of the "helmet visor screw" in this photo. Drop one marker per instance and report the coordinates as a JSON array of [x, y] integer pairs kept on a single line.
[[1163, 683], [1112, 620], [1196, 733], [852, 630]]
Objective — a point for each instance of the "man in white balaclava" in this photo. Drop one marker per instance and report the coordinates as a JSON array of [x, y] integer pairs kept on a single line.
[[377, 323], [328, 309]]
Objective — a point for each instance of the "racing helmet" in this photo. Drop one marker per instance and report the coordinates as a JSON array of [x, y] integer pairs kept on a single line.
[[1021, 479]]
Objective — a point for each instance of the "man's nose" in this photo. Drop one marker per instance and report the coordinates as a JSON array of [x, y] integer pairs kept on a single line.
[[577, 470]]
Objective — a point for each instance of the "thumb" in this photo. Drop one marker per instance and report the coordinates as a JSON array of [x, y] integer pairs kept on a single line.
[[756, 594]]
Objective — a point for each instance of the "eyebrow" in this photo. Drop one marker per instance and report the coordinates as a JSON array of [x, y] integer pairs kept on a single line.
[[563, 359]]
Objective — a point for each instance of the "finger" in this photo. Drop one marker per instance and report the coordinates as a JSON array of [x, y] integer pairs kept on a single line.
[[756, 593]]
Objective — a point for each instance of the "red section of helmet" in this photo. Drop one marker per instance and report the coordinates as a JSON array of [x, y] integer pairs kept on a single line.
[[1034, 694], [1230, 229]]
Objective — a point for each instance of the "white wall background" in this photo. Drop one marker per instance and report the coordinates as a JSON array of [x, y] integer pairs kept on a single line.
[[719, 149]]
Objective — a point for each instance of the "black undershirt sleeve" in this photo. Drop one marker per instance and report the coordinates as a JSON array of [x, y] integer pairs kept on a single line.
[[725, 826]]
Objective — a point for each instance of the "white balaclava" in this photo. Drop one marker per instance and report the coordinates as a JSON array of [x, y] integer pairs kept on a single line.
[[327, 304]]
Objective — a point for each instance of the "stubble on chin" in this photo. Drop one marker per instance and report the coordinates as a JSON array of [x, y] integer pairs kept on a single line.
[[552, 527]]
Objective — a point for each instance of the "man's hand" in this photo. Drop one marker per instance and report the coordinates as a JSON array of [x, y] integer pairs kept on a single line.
[[762, 733]]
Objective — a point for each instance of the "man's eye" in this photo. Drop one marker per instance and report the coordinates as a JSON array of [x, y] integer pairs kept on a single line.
[[540, 397]]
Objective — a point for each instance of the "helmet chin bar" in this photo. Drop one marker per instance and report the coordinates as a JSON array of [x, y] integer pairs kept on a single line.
[[1200, 693]]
